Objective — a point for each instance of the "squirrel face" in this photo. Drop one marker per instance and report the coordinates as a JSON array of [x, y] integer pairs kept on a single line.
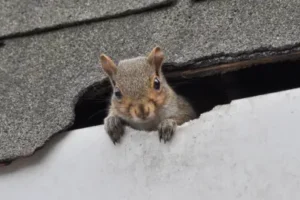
[[139, 87]]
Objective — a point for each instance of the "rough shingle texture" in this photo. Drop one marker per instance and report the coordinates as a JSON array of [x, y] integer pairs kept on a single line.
[[42, 75], [21, 16]]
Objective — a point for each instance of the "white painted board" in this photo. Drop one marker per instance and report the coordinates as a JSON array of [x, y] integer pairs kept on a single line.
[[246, 150]]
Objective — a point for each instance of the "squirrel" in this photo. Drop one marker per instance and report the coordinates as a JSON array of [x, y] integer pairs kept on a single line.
[[142, 98]]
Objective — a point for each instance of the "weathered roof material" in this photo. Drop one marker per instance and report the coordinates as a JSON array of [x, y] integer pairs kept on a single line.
[[42, 75]]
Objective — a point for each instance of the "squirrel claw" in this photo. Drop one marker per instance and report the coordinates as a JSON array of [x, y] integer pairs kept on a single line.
[[166, 130], [116, 141], [161, 138], [115, 128]]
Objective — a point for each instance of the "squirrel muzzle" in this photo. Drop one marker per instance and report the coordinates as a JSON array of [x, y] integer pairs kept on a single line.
[[142, 111]]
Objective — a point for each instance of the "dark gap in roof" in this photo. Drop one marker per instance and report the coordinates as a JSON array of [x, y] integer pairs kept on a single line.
[[92, 106], [5, 163], [203, 92]]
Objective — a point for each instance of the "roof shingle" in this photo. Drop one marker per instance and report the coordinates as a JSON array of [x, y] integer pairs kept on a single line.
[[19, 16], [42, 75]]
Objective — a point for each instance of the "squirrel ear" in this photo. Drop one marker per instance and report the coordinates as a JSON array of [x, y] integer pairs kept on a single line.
[[108, 65], [156, 58]]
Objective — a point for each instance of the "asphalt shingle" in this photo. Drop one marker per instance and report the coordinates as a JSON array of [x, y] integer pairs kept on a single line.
[[17, 16], [42, 75]]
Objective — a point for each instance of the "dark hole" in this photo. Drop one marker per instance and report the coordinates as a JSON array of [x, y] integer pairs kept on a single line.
[[92, 106], [2, 44], [203, 92]]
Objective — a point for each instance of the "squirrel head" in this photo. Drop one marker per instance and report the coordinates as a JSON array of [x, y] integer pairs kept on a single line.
[[139, 87]]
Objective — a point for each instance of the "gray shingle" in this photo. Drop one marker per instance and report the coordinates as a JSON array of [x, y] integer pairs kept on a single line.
[[20, 16], [42, 75]]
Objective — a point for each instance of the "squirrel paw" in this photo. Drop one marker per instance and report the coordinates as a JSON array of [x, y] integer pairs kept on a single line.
[[166, 129], [114, 127]]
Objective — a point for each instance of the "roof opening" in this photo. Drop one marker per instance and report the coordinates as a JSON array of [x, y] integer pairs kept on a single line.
[[204, 92]]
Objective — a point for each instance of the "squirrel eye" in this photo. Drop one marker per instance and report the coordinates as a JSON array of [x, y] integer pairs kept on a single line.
[[156, 84], [118, 93]]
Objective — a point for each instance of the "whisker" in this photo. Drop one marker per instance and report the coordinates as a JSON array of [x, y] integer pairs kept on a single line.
[[96, 113]]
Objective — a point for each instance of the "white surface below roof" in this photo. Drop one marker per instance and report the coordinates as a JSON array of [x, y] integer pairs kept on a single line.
[[246, 150]]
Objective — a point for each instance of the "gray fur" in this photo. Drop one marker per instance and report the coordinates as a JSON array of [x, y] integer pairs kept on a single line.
[[166, 129], [132, 78], [114, 127]]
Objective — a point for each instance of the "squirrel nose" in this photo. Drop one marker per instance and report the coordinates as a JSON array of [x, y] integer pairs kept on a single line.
[[143, 111]]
